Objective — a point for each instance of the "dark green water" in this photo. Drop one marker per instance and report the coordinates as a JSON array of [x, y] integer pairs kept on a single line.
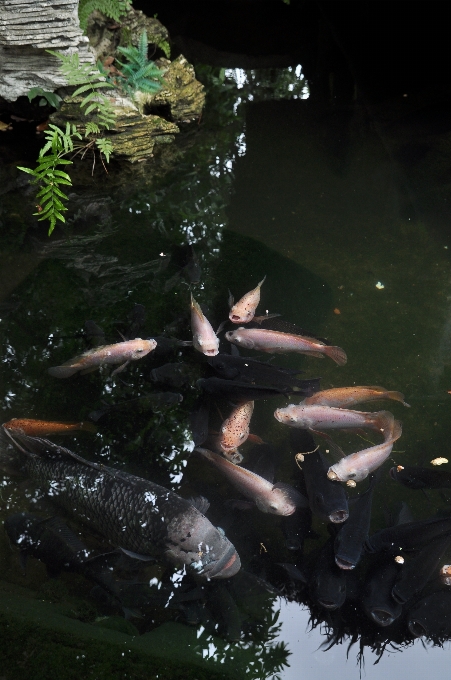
[[345, 211]]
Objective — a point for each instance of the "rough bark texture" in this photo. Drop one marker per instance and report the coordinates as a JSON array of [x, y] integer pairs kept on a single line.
[[27, 29]]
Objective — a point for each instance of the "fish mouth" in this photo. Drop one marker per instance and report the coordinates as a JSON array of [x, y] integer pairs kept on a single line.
[[392, 473], [417, 629], [338, 516], [234, 318], [397, 597], [344, 564], [227, 566], [328, 604], [211, 352], [382, 617]]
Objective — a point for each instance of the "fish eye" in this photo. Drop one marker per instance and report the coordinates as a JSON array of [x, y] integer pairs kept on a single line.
[[352, 475]]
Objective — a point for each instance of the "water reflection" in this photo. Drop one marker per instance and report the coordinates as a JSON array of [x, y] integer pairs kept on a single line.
[[134, 252]]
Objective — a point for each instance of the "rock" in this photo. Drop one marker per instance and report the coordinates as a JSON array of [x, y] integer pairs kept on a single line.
[[134, 135], [104, 40], [182, 93], [27, 29]]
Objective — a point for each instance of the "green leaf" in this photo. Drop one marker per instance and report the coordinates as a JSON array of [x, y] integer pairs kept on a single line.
[[60, 173], [28, 170]]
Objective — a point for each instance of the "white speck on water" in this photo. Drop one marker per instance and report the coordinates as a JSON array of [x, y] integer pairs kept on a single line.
[[379, 285]]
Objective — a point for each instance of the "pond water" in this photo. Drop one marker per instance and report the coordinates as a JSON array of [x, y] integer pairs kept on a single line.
[[344, 208]]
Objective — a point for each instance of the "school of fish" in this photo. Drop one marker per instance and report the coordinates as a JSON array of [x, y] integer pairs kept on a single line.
[[149, 522]]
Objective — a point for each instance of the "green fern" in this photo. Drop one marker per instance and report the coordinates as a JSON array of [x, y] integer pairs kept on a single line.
[[114, 9], [139, 73], [50, 196], [91, 81]]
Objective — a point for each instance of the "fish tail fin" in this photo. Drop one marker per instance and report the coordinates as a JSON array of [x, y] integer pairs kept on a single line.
[[385, 422], [10, 461], [62, 371], [397, 396], [86, 426], [336, 353], [396, 430]]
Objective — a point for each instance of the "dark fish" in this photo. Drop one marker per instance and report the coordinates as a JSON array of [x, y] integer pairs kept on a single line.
[[327, 499], [419, 569], [199, 418], [192, 269], [173, 375], [430, 616], [409, 536], [155, 402], [377, 601], [296, 528], [140, 517], [93, 334], [136, 320], [328, 582], [258, 372], [224, 608], [421, 478], [350, 540], [237, 391], [59, 548]]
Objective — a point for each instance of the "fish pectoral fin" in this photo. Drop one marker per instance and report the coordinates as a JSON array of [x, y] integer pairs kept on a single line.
[[293, 494], [317, 355], [335, 450], [200, 503], [137, 556], [221, 326], [265, 317], [231, 300], [120, 368], [255, 439], [91, 369]]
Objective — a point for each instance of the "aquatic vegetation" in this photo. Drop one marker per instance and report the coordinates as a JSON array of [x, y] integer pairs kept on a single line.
[[113, 9]]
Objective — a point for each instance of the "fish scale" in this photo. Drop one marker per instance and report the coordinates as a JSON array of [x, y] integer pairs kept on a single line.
[[142, 518]]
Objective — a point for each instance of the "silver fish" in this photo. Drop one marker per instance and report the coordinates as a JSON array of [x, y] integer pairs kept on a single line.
[[358, 465], [205, 339], [277, 499]]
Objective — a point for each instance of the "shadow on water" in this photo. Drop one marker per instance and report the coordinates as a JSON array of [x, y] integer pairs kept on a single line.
[[319, 207]]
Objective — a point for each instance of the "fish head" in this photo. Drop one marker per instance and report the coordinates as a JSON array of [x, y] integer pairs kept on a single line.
[[417, 628], [282, 499], [206, 344], [343, 473], [140, 348], [240, 339], [384, 617], [223, 367], [287, 415], [239, 314], [207, 553]]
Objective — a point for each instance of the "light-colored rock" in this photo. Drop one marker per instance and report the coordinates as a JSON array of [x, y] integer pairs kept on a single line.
[[27, 29]]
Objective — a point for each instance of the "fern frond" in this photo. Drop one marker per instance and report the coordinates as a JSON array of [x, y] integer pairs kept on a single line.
[[105, 146], [114, 9]]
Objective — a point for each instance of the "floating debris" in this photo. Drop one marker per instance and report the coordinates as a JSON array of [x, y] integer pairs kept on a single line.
[[351, 483], [399, 559], [439, 461], [379, 285]]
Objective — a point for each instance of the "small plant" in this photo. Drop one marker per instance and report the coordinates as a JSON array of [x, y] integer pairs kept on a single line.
[[139, 73], [113, 9], [59, 143], [46, 97]]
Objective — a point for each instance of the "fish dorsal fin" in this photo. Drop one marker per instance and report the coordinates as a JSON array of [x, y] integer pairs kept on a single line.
[[293, 494], [200, 503], [334, 449]]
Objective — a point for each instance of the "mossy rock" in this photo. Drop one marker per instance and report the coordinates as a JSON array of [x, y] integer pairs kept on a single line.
[[181, 93], [105, 40], [134, 135]]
